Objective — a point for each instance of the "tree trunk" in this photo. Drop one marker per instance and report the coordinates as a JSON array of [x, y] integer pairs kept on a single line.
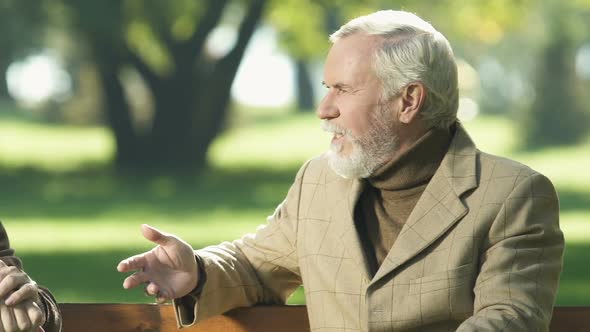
[[213, 102], [128, 148], [190, 103], [555, 117], [170, 137], [4, 94], [305, 94]]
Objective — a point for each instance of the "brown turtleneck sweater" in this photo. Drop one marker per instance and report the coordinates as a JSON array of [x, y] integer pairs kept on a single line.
[[393, 191]]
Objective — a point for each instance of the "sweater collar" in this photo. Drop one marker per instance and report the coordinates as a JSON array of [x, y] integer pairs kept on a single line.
[[415, 166]]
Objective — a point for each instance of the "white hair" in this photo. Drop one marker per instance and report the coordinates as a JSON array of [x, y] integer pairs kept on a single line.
[[412, 51]]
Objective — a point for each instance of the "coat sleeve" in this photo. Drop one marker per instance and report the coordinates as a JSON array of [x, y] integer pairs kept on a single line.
[[520, 266], [48, 303], [259, 268]]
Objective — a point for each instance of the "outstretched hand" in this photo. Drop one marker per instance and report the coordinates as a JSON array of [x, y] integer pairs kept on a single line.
[[169, 270]]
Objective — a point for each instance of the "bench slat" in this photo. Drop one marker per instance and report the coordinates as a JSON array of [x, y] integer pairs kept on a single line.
[[153, 317], [570, 319]]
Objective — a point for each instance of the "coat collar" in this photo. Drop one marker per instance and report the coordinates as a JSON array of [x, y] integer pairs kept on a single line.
[[439, 208]]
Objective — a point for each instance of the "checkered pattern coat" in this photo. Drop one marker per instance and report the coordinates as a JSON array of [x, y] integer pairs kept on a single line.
[[481, 251]]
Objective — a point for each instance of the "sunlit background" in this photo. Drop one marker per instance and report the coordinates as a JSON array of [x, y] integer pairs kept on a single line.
[[118, 113]]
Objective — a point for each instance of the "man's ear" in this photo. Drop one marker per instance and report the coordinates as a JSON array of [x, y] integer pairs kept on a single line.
[[411, 98]]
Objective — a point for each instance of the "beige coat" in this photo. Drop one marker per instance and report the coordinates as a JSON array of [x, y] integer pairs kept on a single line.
[[481, 251]]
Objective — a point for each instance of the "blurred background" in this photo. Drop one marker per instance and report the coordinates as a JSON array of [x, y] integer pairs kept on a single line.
[[194, 116]]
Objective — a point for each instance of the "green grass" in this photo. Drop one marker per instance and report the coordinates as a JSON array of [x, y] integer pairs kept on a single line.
[[72, 220]]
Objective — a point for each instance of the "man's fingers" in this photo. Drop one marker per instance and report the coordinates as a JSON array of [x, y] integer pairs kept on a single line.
[[164, 295], [162, 300], [28, 291], [155, 235], [35, 314], [7, 269], [161, 294], [152, 289], [12, 282], [136, 262], [135, 280], [7, 318], [22, 317]]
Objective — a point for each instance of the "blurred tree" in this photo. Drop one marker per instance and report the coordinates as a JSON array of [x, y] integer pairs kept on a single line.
[[304, 86], [304, 27], [21, 24], [165, 43], [556, 115]]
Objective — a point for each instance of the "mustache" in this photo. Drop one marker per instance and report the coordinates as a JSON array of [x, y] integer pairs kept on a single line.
[[333, 128]]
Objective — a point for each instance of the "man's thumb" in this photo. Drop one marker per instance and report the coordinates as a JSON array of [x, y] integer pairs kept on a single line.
[[154, 235]]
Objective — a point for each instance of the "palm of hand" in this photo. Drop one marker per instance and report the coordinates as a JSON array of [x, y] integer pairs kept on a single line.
[[169, 270], [167, 267]]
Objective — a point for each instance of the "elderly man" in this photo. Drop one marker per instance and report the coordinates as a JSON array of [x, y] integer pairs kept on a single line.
[[403, 225], [24, 306]]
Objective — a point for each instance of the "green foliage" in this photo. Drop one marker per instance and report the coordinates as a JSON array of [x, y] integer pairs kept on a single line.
[[147, 22], [301, 25], [305, 25], [21, 23]]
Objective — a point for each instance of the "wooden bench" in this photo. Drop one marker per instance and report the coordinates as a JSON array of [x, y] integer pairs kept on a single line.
[[152, 318]]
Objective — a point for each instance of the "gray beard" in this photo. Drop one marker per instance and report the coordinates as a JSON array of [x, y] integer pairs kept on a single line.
[[369, 152]]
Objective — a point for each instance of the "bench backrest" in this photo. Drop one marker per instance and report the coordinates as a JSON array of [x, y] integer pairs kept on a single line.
[[152, 318]]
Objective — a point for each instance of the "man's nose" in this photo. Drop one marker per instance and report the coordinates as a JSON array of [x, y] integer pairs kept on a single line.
[[327, 109]]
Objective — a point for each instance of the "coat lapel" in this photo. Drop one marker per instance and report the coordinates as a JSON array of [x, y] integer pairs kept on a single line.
[[439, 207], [343, 220]]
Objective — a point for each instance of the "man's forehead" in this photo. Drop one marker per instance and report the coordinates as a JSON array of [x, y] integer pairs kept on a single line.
[[350, 59], [360, 42]]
